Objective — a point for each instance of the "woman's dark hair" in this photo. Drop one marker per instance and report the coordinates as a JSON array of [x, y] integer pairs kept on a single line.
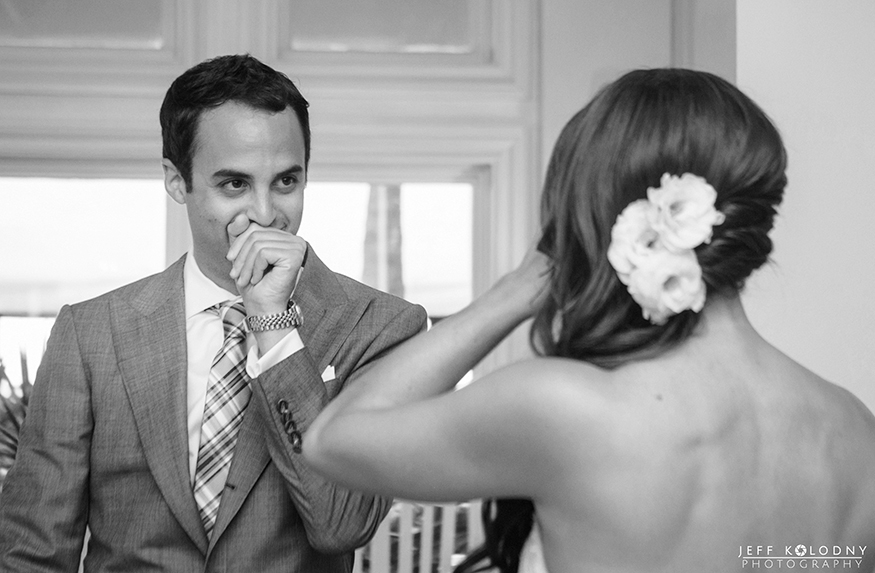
[[645, 124], [507, 523], [238, 78]]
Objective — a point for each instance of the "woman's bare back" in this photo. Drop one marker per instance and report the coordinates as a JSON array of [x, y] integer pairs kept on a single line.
[[722, 453]]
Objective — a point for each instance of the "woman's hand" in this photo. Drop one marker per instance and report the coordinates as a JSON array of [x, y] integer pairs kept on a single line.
[[528, 284]]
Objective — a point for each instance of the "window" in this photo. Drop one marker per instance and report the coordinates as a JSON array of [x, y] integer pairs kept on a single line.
[[73, 239], [423, 26], [413, 240], [81, 24], [67, 240]]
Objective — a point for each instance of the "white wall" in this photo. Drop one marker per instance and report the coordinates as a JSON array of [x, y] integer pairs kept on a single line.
[[586, 44], [811, 66]]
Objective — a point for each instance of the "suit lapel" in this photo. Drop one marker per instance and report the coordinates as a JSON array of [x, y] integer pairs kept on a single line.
[[329, 316], [250, 459], [150, 341]]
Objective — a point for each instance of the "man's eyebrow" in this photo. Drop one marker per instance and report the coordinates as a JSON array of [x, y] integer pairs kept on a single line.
[[233, 174], [230, 174], [293, 170]]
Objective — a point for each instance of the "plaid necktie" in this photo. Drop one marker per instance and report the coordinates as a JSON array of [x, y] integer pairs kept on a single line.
[[227, 396]]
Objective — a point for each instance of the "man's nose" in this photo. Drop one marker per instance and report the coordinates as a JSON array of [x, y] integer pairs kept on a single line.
[[262, 210]]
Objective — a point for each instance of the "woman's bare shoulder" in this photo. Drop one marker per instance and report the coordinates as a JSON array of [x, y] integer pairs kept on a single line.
[[560, 384], [576, 403], [833, 403], [581, 391]]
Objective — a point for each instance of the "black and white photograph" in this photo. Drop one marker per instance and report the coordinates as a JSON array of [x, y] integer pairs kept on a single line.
[[437, 286]]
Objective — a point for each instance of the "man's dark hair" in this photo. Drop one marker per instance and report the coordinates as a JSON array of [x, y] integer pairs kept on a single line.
[[238, 78]]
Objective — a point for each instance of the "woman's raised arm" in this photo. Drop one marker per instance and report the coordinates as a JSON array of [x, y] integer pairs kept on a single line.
[[399, 426]]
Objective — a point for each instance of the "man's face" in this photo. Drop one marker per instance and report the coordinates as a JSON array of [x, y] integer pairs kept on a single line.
[[245, 161]]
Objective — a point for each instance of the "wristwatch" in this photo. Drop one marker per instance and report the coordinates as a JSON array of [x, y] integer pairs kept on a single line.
[[291, 318]]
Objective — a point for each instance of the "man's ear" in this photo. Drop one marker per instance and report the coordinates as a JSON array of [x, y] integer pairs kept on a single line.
[[174, 184]]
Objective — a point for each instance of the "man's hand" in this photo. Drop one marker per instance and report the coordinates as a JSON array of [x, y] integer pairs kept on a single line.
[[265, 263]]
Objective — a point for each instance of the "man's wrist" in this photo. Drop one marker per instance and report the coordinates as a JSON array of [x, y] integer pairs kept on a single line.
[[290, 318]]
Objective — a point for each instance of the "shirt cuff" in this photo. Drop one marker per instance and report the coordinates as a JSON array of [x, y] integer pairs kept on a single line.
[[289, 344]]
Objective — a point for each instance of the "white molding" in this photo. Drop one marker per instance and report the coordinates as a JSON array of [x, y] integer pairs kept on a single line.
[[501, 63], [71, 71], [90, 112], [490, 18], [72, 136]]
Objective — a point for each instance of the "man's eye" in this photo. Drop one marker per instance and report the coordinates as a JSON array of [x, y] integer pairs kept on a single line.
[[234, 185], [288, 181]]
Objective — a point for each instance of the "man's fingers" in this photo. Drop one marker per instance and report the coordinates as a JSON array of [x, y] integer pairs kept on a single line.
[[252, 271], [264, 251], [256, 242], [264, 261], [260, 265], [237, 227], [245, 242]]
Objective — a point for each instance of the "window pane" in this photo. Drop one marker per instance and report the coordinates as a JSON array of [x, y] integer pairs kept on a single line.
[[412, 239], [437, 227], [65, 240], [22, 343], [334, 224], [383, 26], [82, 24]]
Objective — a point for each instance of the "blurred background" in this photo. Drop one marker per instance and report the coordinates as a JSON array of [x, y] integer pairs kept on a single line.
[[432, 124]]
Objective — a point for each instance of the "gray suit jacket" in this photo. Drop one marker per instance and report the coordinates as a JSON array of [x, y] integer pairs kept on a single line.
[[104, 443]]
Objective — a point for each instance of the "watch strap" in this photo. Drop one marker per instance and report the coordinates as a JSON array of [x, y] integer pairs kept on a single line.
[[290, 318]]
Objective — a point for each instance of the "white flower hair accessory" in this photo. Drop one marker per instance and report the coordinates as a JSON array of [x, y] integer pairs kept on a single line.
[[652, 245]]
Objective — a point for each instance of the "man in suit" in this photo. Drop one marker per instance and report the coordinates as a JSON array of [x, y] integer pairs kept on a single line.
[[163, 424]]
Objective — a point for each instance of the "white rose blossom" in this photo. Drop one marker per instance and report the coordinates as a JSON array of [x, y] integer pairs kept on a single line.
[[652, 245], [633, 238], [668, 283], [685, 215]]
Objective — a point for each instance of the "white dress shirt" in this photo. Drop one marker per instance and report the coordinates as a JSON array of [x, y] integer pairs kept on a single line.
[[204, 337]]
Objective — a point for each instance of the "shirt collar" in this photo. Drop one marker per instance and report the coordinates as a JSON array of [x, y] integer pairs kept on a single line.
[[200, 292]]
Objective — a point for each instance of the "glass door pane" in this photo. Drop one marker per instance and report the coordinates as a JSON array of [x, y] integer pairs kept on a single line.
[[414, 240]]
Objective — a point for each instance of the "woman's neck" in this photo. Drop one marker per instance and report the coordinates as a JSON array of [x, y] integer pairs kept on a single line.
[[724, 317]]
